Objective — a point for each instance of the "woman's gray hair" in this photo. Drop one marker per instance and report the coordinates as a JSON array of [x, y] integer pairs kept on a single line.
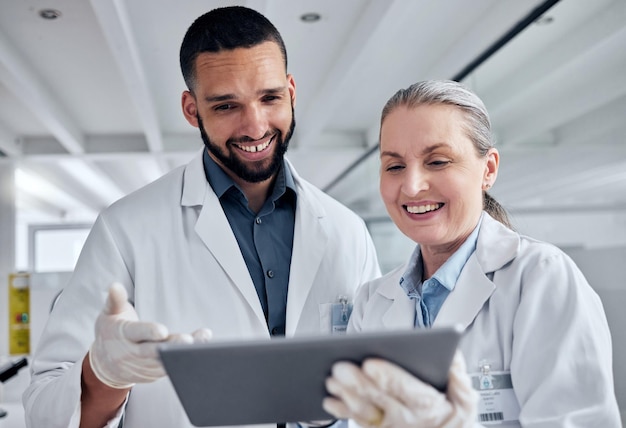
[[477, 123]]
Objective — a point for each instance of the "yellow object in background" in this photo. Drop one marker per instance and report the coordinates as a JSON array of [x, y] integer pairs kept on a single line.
[[19, 313]]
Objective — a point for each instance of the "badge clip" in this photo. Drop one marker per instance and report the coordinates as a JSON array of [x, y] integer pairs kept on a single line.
[[486, 380]]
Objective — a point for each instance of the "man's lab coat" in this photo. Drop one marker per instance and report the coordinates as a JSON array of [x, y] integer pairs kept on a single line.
[[171, 245]]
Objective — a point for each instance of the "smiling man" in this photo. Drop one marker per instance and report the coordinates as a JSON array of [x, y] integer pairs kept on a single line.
[[243, 102], [233, 245]]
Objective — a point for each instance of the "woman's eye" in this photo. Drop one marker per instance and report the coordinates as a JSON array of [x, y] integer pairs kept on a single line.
[[439, 162], [392, 168]]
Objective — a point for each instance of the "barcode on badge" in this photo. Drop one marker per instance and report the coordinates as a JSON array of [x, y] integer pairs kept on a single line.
[[491, 417]]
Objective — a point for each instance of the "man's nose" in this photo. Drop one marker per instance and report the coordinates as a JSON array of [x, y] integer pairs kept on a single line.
[[253, 123]]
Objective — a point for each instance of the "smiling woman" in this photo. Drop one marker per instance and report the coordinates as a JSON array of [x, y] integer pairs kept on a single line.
[[532, 323], [437, 162]]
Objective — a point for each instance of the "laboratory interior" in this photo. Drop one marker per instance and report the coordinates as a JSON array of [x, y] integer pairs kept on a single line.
[[90, 111]]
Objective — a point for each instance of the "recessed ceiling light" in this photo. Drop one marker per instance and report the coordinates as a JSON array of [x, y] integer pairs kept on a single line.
[[310, 17], [49, 14]]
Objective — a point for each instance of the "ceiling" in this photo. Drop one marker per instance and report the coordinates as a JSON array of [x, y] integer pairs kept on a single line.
[[90, 101]]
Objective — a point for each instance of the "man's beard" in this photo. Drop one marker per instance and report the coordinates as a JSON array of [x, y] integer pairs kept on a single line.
[[250, 172]]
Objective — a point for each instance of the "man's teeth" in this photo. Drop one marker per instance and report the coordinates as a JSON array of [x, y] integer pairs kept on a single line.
[[254, 149], [421, 209]]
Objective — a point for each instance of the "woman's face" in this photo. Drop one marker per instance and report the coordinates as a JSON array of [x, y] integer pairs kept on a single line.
[[431, 177]]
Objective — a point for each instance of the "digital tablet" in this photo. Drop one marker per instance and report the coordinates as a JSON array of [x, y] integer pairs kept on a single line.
[[282, 379]]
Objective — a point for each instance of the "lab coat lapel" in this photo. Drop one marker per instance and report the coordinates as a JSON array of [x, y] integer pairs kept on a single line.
[[310, 240], [471, 292], [496, 246], [400, 312], [214, 230]]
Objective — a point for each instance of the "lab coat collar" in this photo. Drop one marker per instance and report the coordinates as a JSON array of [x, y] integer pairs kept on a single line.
[[400, 313], [194, 182], [214, 230], [496, 246]]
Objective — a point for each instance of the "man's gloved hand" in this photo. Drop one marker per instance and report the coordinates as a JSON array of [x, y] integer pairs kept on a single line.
[[381, 394], [125, 349]]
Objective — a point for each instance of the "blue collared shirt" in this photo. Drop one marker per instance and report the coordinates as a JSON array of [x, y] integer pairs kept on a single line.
[[430, 294], [265, 238]]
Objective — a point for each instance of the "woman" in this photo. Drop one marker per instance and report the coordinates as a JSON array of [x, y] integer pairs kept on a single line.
[[536, 345]]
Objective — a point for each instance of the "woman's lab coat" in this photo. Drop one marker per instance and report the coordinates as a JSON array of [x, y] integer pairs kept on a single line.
[[527, 310], [172, 247]]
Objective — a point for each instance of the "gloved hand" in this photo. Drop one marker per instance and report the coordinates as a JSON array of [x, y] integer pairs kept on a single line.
[[125, 349], [383, 395]]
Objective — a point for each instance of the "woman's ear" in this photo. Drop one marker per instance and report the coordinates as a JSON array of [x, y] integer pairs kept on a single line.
[[491, 167], [190, 108]]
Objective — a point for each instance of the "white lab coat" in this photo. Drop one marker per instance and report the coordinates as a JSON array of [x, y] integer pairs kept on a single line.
[[171, 245], [526, 308]]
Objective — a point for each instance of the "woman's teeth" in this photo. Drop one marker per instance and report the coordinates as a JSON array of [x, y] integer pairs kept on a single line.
[[421, 209]]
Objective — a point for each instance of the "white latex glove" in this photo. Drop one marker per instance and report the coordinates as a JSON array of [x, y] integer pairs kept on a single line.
[[125, 349], [381, 394]]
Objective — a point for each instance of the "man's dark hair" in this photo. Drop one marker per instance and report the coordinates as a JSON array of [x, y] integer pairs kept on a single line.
[[226, 28]]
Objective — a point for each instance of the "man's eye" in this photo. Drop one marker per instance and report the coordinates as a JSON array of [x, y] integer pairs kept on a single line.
[[270, 98], [223, 107]]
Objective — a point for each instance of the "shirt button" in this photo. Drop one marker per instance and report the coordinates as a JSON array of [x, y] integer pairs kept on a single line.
[[258, 220], [274, 331], [270, 273]]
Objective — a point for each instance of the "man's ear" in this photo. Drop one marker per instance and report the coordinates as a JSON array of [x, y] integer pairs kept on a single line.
[[291, 83], [190, 108]]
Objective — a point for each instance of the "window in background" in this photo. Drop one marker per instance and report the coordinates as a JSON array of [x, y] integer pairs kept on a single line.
[[55, 248]]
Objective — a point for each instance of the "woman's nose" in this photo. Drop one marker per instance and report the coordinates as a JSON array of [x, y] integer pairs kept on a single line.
[[415, 181]]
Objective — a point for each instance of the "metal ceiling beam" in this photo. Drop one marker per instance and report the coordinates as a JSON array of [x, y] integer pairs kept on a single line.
[[506, 38], [608, 119], [31, 183], [378, 15], [499, 90], [22, 80], [481, 58], [558, 97], [117, 30], [28, 202], [8, 144], [63, 180]]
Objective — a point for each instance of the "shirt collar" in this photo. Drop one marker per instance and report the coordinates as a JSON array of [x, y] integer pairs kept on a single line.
[[448, 273]]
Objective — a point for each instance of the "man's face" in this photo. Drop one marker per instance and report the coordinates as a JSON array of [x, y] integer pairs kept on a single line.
[[243, 104]]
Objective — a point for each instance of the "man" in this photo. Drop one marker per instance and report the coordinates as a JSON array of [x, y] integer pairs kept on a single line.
[[235, 242]]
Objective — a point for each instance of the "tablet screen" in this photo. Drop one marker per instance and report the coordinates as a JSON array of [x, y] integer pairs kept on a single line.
[[282, 379]]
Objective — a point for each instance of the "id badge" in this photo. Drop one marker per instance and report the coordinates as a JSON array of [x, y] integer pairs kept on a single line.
[[497, 403], [340, 315]]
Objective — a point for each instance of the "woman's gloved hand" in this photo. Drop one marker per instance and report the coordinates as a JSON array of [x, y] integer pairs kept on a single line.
[[381, 394], [125, 349]]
